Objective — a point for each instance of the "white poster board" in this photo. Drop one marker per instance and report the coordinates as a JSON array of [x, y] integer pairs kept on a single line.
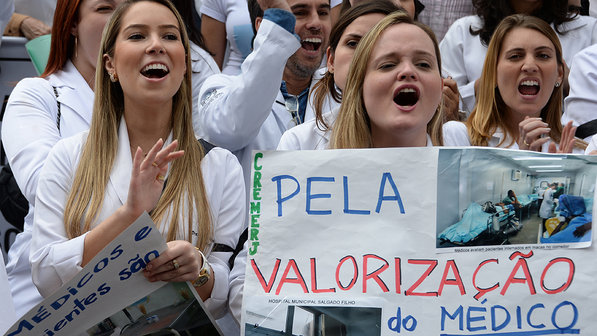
[[392, 241], [110, 296]]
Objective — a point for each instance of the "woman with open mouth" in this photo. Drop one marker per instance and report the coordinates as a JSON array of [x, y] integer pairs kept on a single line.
[[519, 103], [352, 25], [140, 155], [394, 89]]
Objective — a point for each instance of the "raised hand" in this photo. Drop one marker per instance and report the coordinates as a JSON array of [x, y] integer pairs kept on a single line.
[[451, 99], [566, 142], [531, 133], [148, 175]]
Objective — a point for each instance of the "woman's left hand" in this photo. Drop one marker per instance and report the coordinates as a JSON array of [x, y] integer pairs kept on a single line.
[[180, 262], [530, 134], [566, 142], [451, 99]]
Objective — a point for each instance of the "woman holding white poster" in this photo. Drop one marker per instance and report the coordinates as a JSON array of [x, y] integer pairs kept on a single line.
[[139, 155], [394, 89]]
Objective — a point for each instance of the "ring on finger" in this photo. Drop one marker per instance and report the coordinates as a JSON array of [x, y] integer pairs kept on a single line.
[[155, 164], [160, 177], [175, 264], [524, 141]]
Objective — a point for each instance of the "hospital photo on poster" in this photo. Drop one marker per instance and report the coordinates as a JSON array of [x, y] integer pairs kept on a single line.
[[509, 198], [315, 317], [174, 309]]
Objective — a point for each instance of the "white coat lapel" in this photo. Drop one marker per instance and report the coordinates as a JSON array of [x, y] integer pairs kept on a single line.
[[283, 117], [120, 176], [79, 100]]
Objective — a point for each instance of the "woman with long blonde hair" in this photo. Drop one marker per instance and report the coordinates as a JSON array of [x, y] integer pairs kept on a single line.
[[139, 155], [519, 103], [394, 89]]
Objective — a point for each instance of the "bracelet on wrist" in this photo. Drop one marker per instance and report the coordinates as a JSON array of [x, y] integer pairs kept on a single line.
[[204, 272]]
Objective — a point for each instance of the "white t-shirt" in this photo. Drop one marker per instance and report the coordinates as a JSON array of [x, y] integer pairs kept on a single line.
[[239, 32]]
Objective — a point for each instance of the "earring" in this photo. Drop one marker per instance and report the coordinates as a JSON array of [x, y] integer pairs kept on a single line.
[[113, 77], [76, 44], [557, 84]]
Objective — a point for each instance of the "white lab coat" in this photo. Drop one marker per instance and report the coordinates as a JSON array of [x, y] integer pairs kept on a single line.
[[202, 67], [581, 103], [309, 135], [456, 134], [546, 209], [463, 54], [236, 112], [28, 133], [55, 259]]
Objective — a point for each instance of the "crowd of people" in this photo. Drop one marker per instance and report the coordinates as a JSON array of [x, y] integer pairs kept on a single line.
[[145, 105]]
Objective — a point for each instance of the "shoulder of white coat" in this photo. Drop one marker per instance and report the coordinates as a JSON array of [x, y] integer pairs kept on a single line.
[[586, 55], [202, 61], [71, 146], [294, 137], [579, 22], [33, 86], [64, 156], [219, 160], [464, 23], [455, 134]]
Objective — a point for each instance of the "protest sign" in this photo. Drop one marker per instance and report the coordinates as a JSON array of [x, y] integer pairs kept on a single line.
[[110, 295], [418, 241]]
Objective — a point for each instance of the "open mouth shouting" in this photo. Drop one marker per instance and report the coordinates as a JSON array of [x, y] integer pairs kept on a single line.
[[529, 87], [406, 96], [311, 43], [155, 70]]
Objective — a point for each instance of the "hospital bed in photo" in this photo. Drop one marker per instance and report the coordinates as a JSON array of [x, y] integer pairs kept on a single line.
[[577, 212], [527, 203], [478, 227]]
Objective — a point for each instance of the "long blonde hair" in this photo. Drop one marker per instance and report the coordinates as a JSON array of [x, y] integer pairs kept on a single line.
[[489, 112], [185, 181], [352, 128]]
